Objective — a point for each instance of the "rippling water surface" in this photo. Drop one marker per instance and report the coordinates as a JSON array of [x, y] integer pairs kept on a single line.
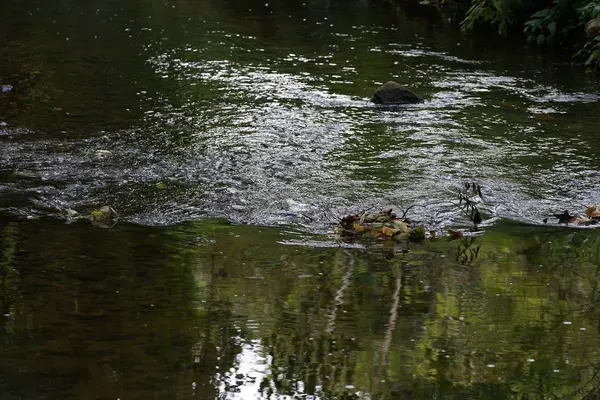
[[260, 113]]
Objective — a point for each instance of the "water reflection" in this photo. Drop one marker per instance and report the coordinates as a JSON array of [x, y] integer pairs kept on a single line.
[[208, 310]]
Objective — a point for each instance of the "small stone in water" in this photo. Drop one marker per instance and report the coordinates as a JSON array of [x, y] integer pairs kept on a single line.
[[70, 213]]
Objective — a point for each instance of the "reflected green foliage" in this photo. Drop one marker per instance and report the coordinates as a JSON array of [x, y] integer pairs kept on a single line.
[[208, 309], [8, 275], [91, 311]]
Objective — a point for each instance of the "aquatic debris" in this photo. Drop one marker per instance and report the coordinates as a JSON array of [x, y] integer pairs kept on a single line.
[[468, 199], [566, 218], [592, 212], [592, 217], [453, 235], [100, 154], [388, 225], [382, 225], [104, 217], [69, 213]]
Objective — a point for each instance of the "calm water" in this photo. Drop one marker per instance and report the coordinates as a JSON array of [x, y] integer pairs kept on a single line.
[[207, 310], [186, 116]]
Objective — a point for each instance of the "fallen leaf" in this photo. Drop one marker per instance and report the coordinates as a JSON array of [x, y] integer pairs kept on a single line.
[[452, 235], [358, 227], [387, 231], [592, 212], [400, 225]]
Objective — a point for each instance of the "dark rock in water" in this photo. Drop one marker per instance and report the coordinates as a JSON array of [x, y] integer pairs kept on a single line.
[[394, 93]]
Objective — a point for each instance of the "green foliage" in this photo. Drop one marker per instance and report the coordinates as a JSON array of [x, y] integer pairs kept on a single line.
[[569, 15], [589, 11], [498, 13], [544, 23], [541, 28], [573, 16], [591, 54]]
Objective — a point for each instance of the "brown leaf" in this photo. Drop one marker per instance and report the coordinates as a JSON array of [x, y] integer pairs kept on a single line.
[[592, 212], [387, 231]]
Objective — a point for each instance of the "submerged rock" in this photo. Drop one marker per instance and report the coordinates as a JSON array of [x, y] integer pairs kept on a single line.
[[394, 93], [104, 217], [69, 213]]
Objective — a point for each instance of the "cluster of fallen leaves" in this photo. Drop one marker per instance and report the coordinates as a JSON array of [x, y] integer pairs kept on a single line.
[[592, 217], [382, 225], [104, 217]]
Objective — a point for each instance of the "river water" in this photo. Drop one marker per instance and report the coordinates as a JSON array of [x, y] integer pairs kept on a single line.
[[188, 116]]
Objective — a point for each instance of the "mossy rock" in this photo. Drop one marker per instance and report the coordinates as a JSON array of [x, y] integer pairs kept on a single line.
[[105, 217], [394, 93]]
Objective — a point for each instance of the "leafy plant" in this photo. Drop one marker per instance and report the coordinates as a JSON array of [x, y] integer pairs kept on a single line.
[[541, 28], [545, 22], [591, 54], [498, 13], [589, 11]]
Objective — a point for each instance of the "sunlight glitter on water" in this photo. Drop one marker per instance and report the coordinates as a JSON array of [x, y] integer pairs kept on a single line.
[[233, 125], [251, 369]]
